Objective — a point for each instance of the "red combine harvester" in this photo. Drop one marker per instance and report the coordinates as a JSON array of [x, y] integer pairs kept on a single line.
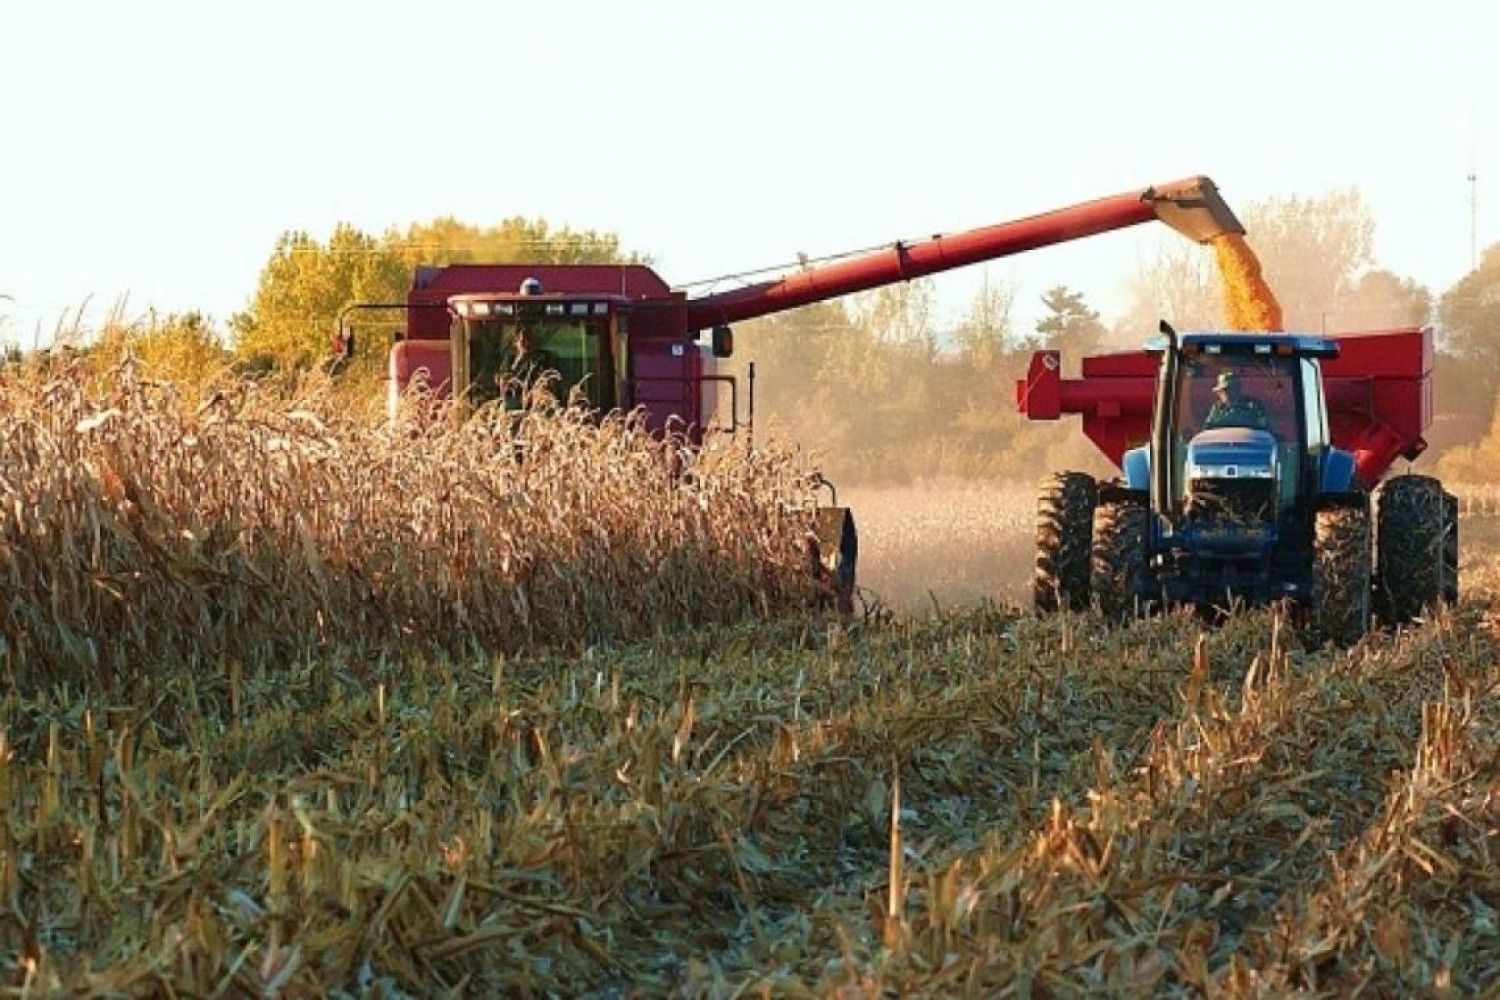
[[624, 338], [1275, 493]]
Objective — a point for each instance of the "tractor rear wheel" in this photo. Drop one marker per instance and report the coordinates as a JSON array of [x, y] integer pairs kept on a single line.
[[1119, 555], [1416, 547], [1064, 531], [1341, 575]]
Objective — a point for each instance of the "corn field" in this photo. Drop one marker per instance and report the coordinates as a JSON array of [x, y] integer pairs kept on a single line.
[[1477, 500], [250, 744], [139, 530]]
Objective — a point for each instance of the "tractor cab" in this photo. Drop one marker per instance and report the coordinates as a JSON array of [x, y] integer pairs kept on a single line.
[[1238, 463], [1243, 419]]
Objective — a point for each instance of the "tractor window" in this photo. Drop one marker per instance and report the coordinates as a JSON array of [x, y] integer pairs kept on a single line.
[[506, 354], [1239, 390], [1312, 405]]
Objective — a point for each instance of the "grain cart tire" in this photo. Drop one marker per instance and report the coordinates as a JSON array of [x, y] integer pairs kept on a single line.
[[1416, 548], [1341, 575], [1064, 533], [1119, 555]]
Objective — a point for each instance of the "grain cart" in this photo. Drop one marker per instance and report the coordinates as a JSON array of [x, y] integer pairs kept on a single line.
[[1275, 494], [625, 339]]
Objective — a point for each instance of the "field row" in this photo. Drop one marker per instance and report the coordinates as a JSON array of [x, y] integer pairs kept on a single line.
[[1077, 807]]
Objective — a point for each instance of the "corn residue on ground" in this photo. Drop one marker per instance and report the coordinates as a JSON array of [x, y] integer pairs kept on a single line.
[[1090, 808], [328, 794]]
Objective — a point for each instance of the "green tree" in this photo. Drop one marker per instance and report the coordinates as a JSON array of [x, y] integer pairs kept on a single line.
[[1179, 286], [1469, 316], [446, 240], [1316, 254], [797, 355], [900, 314], [1467, 377], [1381, 300], [1070, 325], [985, 334], [304, 286], [179, 345]]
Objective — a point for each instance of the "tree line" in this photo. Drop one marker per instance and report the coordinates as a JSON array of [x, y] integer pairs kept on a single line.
[[881, 391], [877, 384]]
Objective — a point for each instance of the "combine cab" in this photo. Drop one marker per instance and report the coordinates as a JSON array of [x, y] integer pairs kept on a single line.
[[620, 338], [1252, 473]]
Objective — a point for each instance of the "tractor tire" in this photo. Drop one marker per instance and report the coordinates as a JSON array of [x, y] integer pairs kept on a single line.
[[1342, 563], [1064, 533], [1416, 548], [1119, 555]]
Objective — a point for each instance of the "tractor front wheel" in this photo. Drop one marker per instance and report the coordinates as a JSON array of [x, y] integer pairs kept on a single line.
[[1064, 532], [1416, 547], [1119, 556], [1341, 575]]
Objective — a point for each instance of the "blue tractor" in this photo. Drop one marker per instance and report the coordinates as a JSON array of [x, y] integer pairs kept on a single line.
[[1250, 487]]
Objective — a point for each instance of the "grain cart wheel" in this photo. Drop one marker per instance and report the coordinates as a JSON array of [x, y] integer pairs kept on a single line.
[[1119, 556], [1064, 532], [1341, 575], [1416, 547]]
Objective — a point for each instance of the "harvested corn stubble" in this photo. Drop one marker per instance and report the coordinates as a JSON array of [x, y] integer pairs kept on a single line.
[[971, 804], [1081, 807]]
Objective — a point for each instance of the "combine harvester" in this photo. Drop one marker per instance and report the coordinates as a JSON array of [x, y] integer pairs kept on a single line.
[[625, 339], [1252, 473]]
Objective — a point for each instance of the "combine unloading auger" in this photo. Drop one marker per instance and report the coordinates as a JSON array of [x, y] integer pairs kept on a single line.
[[1191, 206]]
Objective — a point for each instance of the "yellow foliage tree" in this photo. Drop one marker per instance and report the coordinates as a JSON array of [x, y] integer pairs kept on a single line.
[[306, 283]]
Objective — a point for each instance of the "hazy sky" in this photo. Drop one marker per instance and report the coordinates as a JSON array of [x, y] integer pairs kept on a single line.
[[159, 148]]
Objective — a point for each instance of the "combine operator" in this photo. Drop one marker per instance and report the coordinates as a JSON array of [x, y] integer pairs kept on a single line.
[[524, 367]]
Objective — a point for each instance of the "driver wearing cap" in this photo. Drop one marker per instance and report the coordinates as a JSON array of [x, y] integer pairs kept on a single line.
[[1232, 408]]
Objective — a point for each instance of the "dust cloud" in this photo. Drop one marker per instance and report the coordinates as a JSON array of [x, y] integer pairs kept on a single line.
[[938, 545]]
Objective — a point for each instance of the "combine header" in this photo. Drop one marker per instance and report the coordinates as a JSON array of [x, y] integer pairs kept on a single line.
[[625, 339], [1252, 472]]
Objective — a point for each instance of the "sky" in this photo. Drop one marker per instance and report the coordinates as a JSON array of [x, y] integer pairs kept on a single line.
[[155, 150]]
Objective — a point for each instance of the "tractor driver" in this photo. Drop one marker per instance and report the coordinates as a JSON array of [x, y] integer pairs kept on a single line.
[[1232, 408]]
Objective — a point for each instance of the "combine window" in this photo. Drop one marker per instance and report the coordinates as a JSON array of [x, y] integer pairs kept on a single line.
[[506, 355]]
